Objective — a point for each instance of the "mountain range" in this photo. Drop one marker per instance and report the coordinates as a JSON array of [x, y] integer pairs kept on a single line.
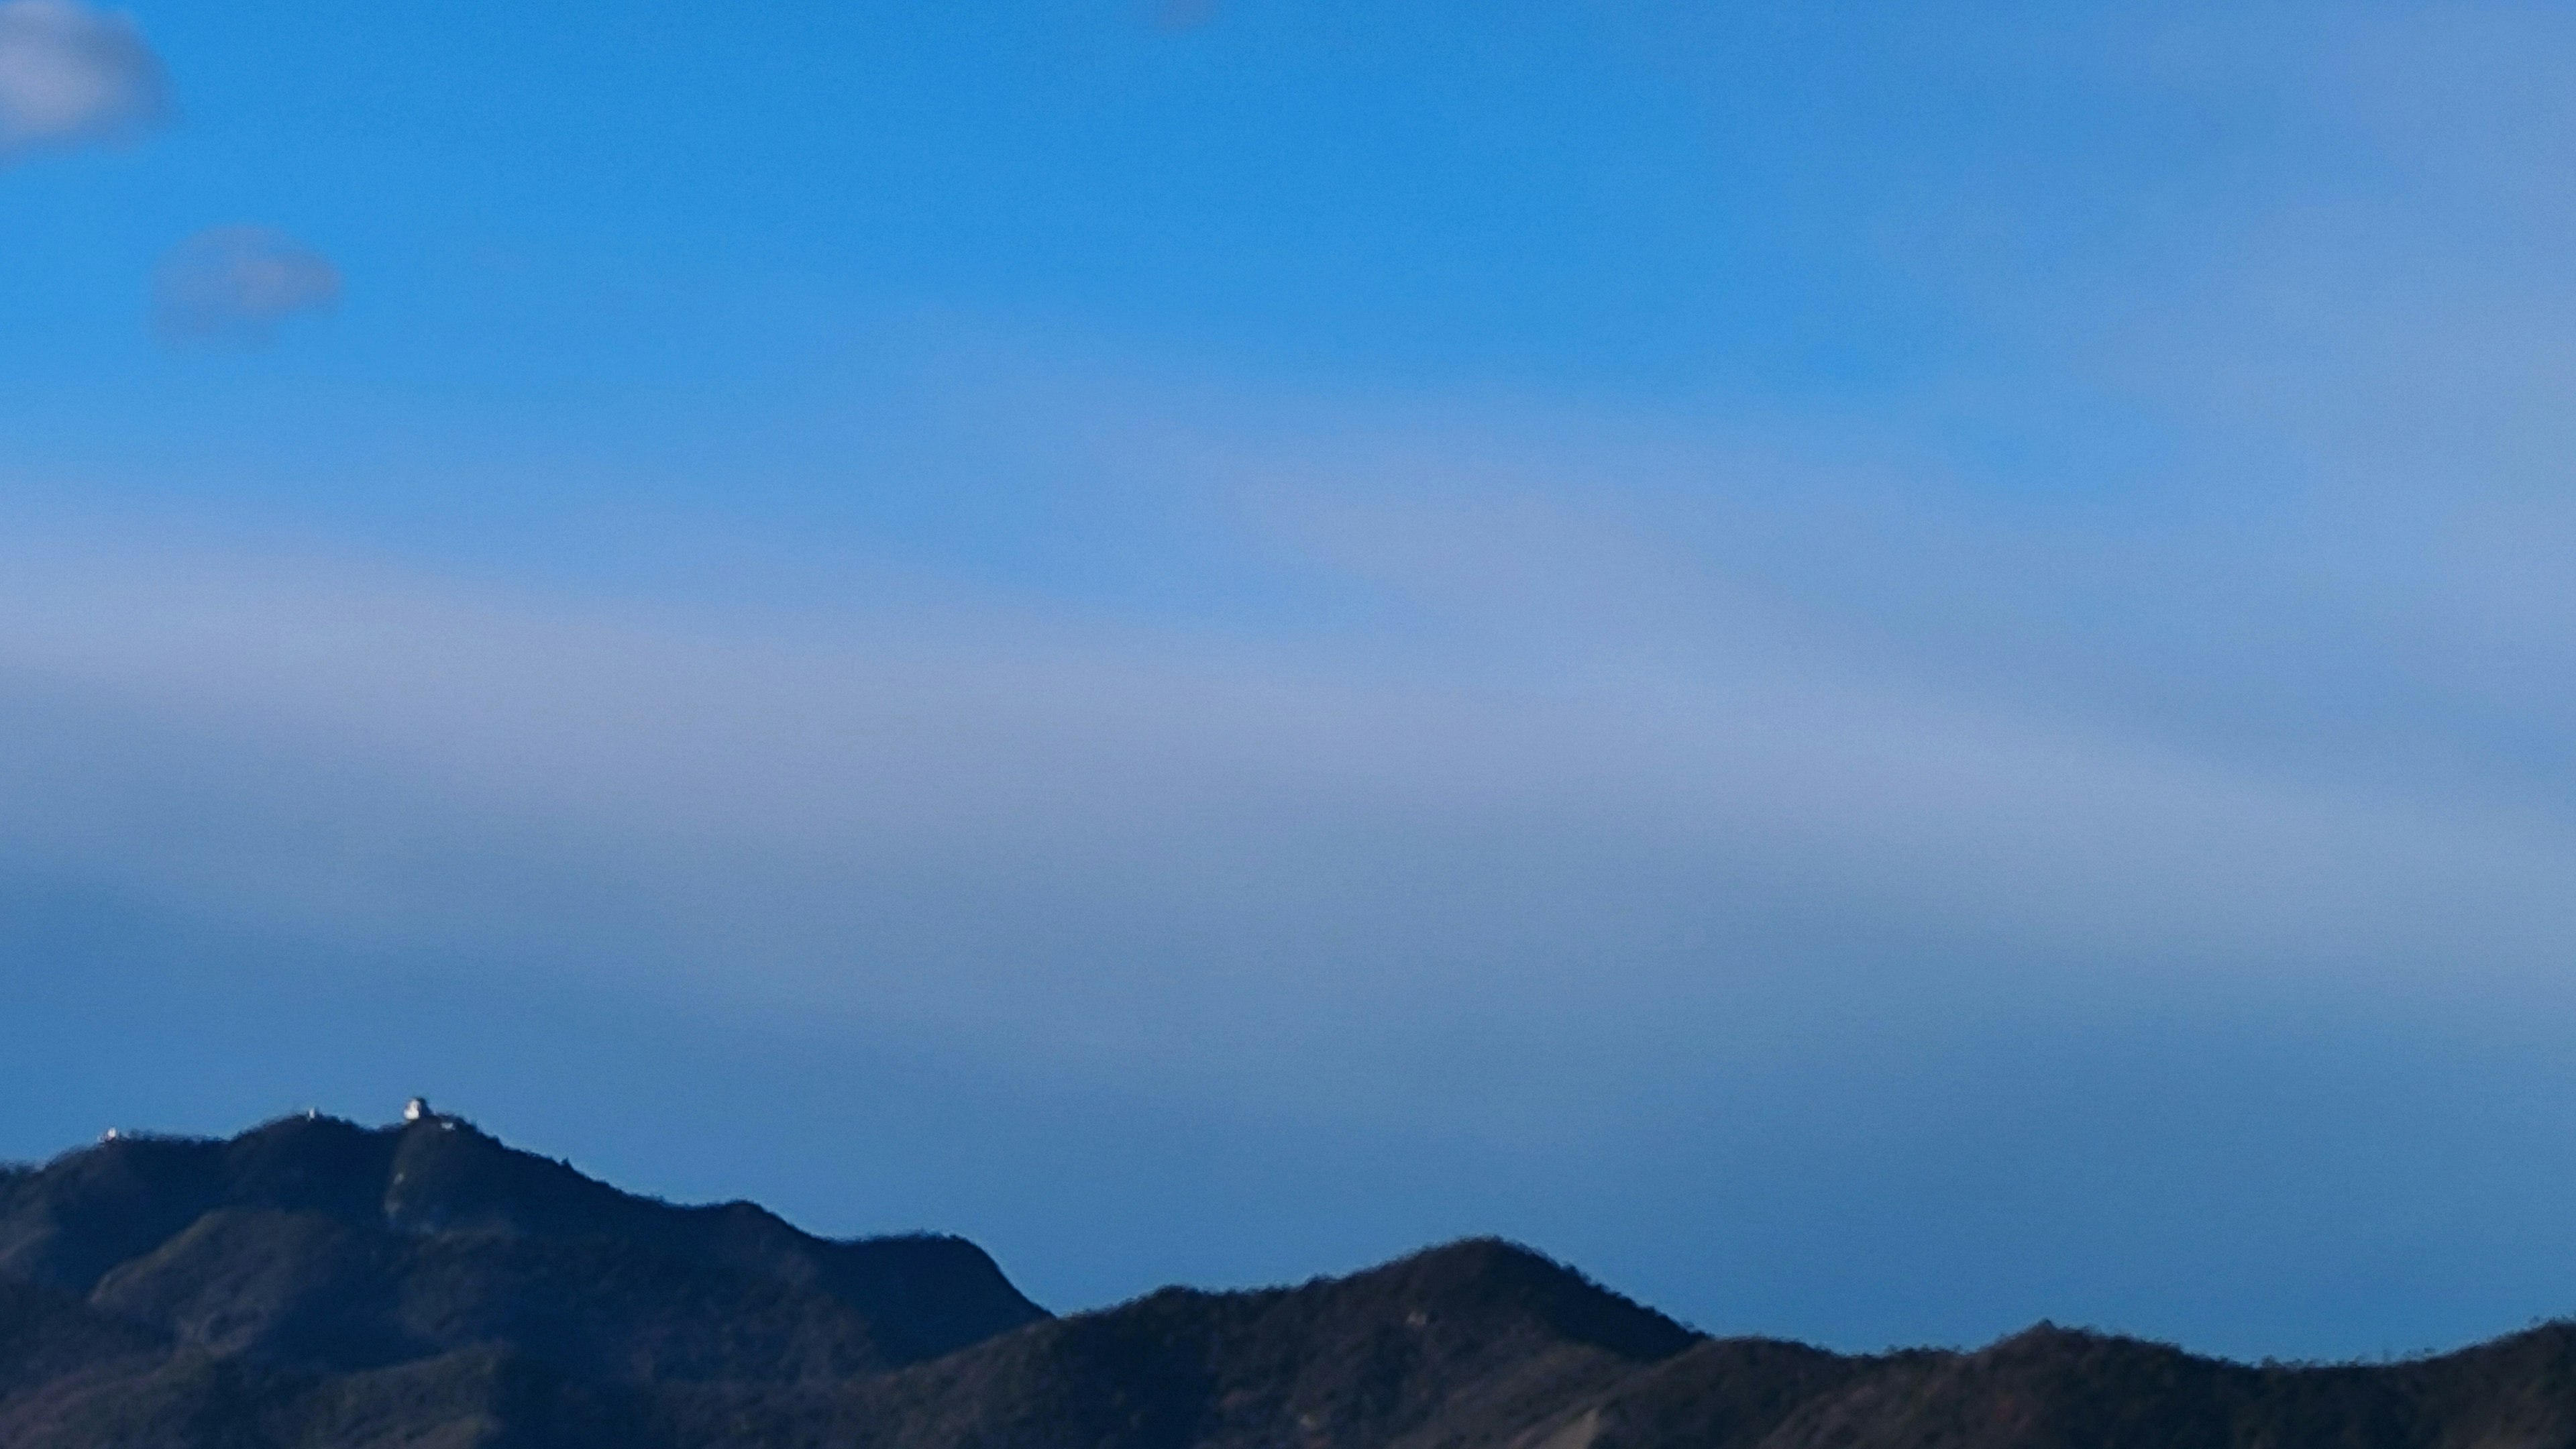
[[316, 1284]]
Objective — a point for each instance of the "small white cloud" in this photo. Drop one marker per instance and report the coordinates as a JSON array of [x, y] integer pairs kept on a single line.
[[73, 76], [234, 284]]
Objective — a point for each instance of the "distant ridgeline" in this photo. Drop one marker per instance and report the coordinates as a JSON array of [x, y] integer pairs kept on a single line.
[[314, 1284]]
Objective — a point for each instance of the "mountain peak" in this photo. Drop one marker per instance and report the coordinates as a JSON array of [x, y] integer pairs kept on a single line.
[[1490, 1275], [311, 1238]]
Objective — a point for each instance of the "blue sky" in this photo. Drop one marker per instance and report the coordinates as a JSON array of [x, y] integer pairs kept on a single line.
[[1881, 674]]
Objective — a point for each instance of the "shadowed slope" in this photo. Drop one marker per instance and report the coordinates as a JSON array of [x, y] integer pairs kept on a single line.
[[318, 1242], [1421, 1350], [2051, 1388]]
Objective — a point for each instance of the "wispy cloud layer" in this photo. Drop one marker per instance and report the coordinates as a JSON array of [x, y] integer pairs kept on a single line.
[[1619, 770], [71, 75], [234, 284]]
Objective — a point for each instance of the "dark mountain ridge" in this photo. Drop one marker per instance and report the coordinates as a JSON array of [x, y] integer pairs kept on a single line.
[[316, 1240], [317, 1283]]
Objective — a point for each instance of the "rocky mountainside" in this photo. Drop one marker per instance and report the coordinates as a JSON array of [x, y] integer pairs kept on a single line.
[[314, 1283]]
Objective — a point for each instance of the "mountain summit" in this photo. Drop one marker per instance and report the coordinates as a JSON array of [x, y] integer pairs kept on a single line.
[[317, 1243], [314, 1284]]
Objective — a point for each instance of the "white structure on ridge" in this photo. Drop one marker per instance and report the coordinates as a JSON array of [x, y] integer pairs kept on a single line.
[[417, 1110]]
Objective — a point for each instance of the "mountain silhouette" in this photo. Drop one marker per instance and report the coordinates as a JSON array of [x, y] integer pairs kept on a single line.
[[316, 1283]]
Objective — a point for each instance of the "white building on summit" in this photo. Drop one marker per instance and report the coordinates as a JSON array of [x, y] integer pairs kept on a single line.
[[417, 1110]]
